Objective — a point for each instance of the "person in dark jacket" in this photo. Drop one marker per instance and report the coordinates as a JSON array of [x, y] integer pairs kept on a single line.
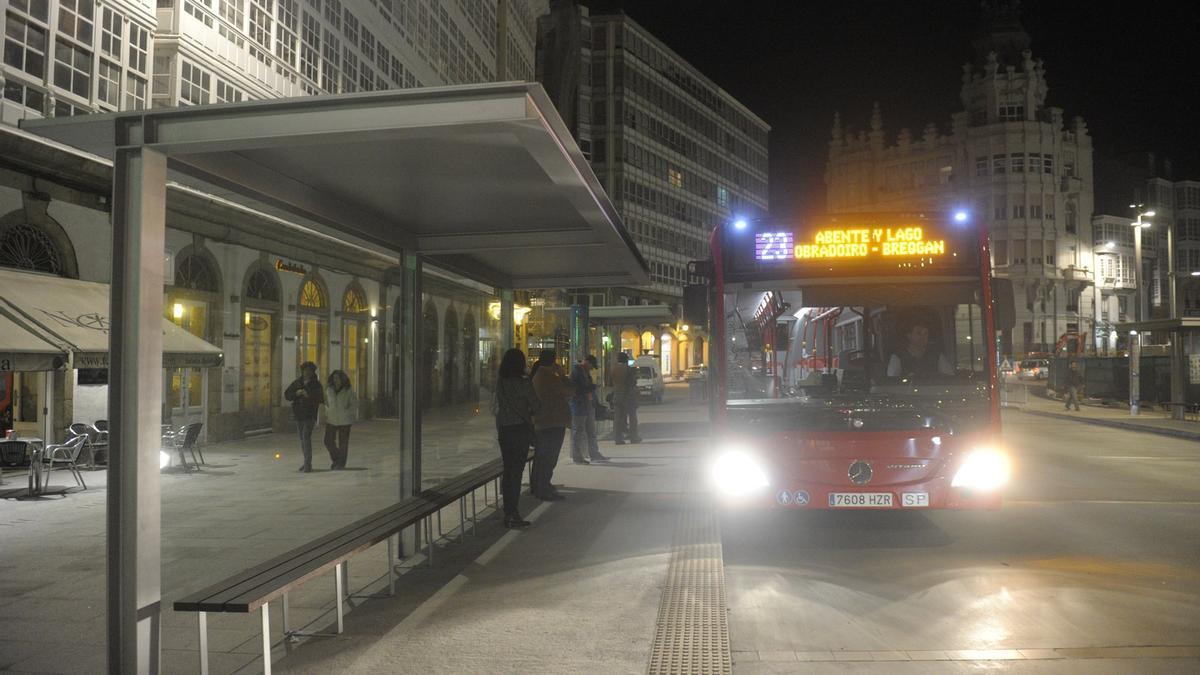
[[550, 424], [515, 406], [1074, 385], [625, 401], [306, 397], [583, 413]]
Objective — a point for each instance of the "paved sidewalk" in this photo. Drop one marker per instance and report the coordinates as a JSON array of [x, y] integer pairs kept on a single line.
[[577, 592], [1151, 419]]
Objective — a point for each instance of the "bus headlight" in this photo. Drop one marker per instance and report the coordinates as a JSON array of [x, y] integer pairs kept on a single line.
[[736, 473], [984, 469]]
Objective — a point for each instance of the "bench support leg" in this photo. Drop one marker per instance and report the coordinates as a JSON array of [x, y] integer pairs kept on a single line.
[[474, 515], [462, 519], [429, 539], [266, 637], [203, 643], [391, 567], [339, 581], [287, 624]]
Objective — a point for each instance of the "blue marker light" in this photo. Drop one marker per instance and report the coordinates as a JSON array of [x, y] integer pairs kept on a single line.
[[960, 216], [741, 224]]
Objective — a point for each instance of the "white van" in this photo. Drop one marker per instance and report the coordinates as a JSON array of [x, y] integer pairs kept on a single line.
[[649, 378]]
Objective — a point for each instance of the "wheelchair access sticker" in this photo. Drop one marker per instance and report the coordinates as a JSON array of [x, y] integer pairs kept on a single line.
[[800, 498]]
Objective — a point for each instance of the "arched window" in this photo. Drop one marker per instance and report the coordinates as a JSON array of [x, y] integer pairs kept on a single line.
[[194, 272], [27, 247], [312, 336], [262, 284], [355, 299], [313, 296]]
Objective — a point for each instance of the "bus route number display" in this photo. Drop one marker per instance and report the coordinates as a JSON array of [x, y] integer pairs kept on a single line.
[[849, 243]]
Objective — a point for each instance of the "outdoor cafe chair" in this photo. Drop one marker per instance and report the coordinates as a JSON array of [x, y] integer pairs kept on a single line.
[[190, 434], [65, 456], [89, 433]]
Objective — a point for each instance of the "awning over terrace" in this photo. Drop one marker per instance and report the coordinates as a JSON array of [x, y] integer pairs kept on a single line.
[[482, 179], [44, 317]]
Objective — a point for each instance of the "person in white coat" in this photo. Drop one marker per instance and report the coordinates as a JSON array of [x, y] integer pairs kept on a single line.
[[341, 410]]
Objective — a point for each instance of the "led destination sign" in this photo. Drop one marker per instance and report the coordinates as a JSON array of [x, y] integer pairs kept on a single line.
[[842, 243]]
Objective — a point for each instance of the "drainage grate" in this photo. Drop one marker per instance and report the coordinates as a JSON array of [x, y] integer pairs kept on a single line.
[[692, 631]]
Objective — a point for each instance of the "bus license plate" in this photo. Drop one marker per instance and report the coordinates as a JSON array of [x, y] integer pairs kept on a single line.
[[860, 499]]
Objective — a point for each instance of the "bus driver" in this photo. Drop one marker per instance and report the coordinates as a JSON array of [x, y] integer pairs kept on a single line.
[[917, 357]]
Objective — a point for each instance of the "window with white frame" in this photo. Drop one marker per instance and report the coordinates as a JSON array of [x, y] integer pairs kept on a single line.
[[76, 18], [1048, 164], [331, 62], [72, 68], [350, 70], [35, 9], [999, 164], [310, 45], [1018, 211], [1018, 162], [111, 31], [227, 93], [1000, 207], [108, 80], [350, 26], [139, 48], [367, 42], [135, 92], [261, 23], [981, 166], [333, 13], [25, 46], [28, 96], [194, 84]]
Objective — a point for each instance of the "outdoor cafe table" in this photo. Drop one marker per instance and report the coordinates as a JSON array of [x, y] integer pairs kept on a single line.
[[36, 469]]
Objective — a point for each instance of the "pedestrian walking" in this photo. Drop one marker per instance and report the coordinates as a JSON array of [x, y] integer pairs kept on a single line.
[[341, 411], [1074, 385], [625, 403], [583, 413], [550, 424], [515, 405], [306, 397]]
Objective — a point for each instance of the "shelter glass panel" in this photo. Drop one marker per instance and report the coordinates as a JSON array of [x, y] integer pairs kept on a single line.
[[460, 352]]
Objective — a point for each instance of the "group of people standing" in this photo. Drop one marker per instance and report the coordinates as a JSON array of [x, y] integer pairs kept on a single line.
[[341, 410], [535, 411]]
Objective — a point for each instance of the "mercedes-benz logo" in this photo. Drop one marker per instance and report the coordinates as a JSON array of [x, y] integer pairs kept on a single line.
[[860, 472]]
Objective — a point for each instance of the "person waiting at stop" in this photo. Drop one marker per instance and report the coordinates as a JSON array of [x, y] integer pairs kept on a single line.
[[918, 356]]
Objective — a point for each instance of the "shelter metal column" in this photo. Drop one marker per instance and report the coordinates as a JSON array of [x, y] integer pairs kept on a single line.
[[411, 354], [506, 320], [135, 409]]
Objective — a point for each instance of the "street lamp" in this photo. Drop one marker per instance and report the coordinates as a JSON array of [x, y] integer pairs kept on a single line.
[[1135, 337]]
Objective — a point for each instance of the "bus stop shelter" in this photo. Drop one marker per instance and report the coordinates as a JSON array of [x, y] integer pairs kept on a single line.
[[484, 180]]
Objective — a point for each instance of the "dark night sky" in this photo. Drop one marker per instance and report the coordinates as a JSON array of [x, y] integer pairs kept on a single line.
[[1126, 68]]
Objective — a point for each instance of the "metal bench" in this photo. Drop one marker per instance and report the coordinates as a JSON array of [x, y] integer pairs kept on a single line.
[[272, 580]]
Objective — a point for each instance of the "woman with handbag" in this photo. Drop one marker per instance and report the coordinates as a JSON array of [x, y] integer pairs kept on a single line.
[[514, 405]]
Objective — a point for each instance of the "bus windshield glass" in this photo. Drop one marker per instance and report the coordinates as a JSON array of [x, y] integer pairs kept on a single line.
[[904, 345]]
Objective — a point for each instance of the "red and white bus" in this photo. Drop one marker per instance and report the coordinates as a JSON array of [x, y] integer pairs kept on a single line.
[[854, 363]]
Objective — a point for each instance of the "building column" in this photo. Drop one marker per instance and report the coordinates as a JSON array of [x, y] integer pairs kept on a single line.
[[135, 409]]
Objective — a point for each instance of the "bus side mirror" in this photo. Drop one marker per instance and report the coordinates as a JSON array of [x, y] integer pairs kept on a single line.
[[1004, 312], [695, 304]]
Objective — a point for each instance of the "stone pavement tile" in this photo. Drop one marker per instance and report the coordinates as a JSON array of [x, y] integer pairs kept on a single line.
[[187, 662], [984, 654], [890, 656], [86, 659], [852, 656], [816, 655], [777, 656], [744, 657], [1041, 654], [928, 655], [36, 608], [15, 651]]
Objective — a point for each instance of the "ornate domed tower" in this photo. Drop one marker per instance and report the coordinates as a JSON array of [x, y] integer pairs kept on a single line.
[[1012, 160]]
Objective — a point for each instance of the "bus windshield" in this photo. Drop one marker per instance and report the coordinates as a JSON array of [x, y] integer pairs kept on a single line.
[[910, 346]]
